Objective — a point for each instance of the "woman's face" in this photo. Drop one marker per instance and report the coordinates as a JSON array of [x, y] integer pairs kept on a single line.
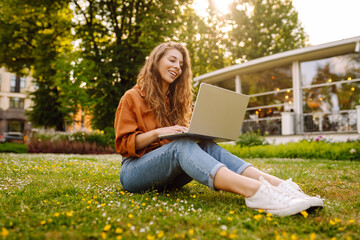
[[170, 67]]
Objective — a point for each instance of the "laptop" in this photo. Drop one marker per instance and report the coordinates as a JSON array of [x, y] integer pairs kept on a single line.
[[218, 115]]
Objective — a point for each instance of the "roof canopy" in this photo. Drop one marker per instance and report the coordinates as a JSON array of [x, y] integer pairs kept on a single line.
[[345, 46]]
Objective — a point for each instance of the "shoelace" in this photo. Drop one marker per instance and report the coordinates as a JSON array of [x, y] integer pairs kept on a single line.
[[279, 196], [294, 188]]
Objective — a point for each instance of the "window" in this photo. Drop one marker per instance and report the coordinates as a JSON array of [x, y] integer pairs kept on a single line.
[[17, 83], [331, 84], [15, 126], [13, 84], [17, 103], [22, 82], [330, 70]]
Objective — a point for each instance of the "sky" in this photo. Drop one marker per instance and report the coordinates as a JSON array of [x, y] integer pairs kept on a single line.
[[323, 20]]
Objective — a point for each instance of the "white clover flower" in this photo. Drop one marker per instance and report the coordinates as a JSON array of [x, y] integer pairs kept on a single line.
[[352, 151]]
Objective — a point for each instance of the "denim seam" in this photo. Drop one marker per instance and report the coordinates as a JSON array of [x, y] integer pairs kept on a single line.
[[243, 167], [213, 173]]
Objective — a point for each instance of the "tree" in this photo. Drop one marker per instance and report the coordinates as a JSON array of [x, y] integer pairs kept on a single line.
[[261, 28], [32, 36], [205, 39], [115, 37]]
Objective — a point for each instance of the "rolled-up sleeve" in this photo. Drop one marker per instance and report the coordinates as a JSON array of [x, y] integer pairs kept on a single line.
[[126, 127], [133, 117]]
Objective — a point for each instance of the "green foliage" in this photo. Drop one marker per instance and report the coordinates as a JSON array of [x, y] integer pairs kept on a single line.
[[33, 35], [302, 149], [13, 148], [251, 139], [113, 39], [262, 28]]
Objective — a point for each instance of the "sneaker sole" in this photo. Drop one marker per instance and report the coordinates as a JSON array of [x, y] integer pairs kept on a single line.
[[290, 211]]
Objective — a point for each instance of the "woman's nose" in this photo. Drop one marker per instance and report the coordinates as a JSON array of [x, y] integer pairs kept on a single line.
[[177, 65]]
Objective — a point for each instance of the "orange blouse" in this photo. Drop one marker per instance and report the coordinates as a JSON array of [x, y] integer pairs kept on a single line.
[[133, 117]]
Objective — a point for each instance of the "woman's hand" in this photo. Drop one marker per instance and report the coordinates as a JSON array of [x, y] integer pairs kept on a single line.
[[171, 129], [144, 139]]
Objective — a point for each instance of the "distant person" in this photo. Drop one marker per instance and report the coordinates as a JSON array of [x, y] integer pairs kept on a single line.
[[161, 103]]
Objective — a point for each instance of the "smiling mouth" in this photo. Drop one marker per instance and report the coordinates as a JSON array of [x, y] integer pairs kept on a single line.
[[173, 73]]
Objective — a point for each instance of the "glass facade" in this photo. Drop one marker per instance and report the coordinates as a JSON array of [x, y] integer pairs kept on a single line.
[[330, 93]]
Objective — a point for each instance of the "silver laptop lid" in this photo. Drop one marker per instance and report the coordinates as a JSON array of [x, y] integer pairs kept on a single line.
[[218, 112]]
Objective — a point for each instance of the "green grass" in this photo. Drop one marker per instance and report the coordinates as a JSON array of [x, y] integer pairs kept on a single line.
[[48, 196]]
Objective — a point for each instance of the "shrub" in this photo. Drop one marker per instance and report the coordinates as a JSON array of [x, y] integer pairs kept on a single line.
[[13, 148], [302, 149], [79, 142], [251, 139]]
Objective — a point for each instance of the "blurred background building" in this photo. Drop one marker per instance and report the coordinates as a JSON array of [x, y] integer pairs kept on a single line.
[[14, 101], [308, 91]]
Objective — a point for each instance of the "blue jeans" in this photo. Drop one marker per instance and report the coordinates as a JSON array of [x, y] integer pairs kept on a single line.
[[177, 163]]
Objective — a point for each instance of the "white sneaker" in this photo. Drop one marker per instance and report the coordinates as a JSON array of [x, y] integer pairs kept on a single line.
[[272, 200], [292, 189]]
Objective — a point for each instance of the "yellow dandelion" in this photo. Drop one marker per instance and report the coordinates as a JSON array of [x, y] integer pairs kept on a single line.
[[150, 237], [56, 214], [69, 214], [191, 231], [43, 222], [107, 227], [45, 201], [293, 237], [269, 214], [160, 234], [223, 233], [160, 210], [232, 235], [103, 235], [261, 210], [257, 217], [230, 219], [304, 213], [4, 232], [269, 219], [312, 236], [351, 221], [231, 212], [143, 204], [118, 237], [335, 221], [130, 215], [118, 231]]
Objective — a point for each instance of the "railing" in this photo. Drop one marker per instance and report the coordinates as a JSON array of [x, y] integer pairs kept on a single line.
[[342, 121], [268, 126]]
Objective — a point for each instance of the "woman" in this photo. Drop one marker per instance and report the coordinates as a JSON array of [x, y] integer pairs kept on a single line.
[[160, 103]]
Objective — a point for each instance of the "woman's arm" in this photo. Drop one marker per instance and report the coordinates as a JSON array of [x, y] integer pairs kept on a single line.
[[144, 139]]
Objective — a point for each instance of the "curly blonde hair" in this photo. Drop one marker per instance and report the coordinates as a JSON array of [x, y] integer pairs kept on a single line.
[[178, 112]]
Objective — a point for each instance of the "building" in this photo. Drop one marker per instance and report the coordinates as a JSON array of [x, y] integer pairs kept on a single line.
[[303, 92], [14, 101]]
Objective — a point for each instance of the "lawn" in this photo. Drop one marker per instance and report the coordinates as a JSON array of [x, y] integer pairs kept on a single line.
[[48, 196]]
